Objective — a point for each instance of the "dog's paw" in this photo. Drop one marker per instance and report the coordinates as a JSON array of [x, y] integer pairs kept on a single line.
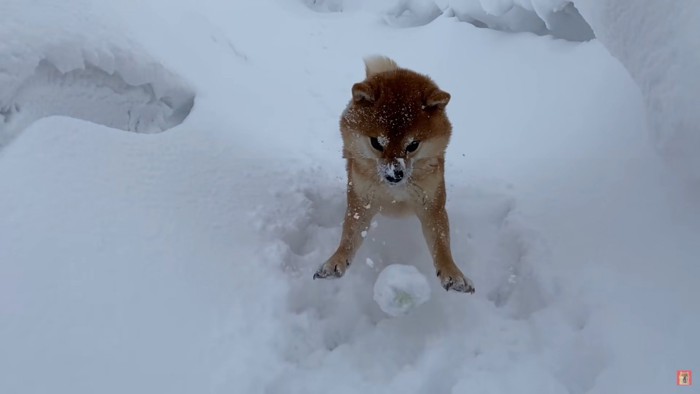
[[333, 268], [454, 279]]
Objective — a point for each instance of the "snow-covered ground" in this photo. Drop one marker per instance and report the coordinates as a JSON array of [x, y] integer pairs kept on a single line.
[[181, 262]]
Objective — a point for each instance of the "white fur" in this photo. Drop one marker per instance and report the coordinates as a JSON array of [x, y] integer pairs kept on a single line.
[[378, 64]]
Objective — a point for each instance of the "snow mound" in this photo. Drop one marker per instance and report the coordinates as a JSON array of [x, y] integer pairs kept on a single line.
[[400, 288], [659, 47], [558, 18], [68, 60], [410, 13]]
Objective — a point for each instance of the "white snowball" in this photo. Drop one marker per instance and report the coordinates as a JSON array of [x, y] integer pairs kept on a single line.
[[400, 288]]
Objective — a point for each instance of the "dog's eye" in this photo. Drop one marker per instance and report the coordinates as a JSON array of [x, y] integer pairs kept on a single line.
[[375, 144], [412, 146]]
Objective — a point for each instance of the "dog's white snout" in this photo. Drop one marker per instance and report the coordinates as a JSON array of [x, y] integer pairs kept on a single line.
[[393, 171]]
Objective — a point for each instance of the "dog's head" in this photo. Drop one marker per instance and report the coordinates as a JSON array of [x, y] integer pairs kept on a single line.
[[396, 118]]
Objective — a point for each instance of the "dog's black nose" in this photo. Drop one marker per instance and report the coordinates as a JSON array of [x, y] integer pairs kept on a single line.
[[398, 175]]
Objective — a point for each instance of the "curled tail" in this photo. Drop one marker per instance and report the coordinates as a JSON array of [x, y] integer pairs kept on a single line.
[[378, 64]]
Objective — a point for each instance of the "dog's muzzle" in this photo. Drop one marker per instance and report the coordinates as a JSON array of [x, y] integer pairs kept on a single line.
[[393, 172], [395, 178]]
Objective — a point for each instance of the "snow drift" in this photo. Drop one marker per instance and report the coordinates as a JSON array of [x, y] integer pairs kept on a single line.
[[658, 44], [71, 60], [558, 18]]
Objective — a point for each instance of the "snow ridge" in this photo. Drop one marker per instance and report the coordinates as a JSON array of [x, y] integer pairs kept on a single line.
[[95, 74], [93, 94]]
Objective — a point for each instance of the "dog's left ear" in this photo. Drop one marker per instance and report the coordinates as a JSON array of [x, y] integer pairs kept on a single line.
[[363, 92], [437, 99]]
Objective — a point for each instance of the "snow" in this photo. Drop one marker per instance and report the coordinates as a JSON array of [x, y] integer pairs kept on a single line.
[[51, 67], [559, 18], [658, 45], [400, 288], [181, 261]]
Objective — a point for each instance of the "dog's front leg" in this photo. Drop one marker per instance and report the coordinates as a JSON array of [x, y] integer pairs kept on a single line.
[[358, 216], [436, 230]]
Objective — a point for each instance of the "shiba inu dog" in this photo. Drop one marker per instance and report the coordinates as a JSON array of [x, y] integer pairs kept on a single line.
[[395, 132]]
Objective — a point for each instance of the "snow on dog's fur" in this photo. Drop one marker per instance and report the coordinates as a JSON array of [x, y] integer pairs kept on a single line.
[[395, 132]]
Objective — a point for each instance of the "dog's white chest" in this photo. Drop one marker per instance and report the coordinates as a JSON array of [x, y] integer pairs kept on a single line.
[[399, 193]]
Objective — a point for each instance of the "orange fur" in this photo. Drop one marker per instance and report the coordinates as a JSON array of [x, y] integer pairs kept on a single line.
[[401, 171]]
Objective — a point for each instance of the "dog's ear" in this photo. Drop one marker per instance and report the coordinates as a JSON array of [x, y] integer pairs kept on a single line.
[[437, 99], [363, 92]]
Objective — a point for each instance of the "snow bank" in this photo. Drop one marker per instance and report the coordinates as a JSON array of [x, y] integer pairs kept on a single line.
[[71, 59], [559, 18], [122, 268], [658, 44]]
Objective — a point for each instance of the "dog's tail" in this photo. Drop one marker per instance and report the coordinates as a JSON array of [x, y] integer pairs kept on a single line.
[[378, 64]]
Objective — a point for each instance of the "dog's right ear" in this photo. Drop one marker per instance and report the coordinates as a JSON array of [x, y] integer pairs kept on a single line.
[[437, 99], [362, 92]]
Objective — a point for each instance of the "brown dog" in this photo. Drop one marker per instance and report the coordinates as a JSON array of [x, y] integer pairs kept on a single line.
[[395, 132]]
